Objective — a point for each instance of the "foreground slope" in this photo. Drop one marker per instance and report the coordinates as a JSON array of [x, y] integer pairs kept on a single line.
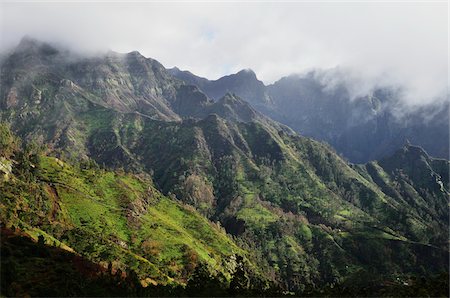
[[117, 220], [30, 268]]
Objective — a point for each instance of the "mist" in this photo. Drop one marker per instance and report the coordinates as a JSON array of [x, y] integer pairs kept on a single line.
[[375, 44]]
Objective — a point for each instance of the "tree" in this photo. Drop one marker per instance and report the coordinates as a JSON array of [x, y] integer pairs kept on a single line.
[[41, 240], [240, 282], [226, 184], [8, 142], [203, 283]]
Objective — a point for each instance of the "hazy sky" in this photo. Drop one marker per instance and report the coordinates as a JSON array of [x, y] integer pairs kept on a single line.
[[376, 42]]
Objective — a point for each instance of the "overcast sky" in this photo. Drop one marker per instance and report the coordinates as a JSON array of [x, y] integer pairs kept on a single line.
[[376, 42]]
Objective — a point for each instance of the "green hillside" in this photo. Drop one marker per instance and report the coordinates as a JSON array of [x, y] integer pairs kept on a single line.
[[131, 169], [115, 219]]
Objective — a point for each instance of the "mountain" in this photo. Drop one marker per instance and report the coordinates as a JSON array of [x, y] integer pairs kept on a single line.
[[126, 82], [244, 83], [361, 129], [49, 86], [166, 182]]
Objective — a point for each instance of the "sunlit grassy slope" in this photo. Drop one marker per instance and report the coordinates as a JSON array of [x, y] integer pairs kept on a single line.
[[114, 217]]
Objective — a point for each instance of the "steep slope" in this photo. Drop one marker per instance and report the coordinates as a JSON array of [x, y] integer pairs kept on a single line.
[[411, 176], [60, 273], [46, 90], [116, 220], [290, 199]]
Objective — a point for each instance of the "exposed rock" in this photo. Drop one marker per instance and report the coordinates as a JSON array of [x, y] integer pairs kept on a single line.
[[36, 96], [11, 98]]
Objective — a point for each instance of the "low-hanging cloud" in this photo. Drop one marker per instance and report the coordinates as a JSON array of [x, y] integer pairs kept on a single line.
[[377, 43]]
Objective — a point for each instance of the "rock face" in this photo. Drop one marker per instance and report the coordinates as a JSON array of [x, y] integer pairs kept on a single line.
[[244, 84], [361, 129], [37, 74], [11, 98]]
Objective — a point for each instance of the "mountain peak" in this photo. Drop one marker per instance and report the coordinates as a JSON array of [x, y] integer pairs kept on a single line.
[[135, 54], [409, 156], [413, 151], [174, 70], [30, 44], [28, 41], [247, 73], [246, 76]]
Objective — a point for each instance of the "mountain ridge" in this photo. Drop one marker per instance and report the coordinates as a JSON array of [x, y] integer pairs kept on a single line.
[[362, 129], [304, 218]]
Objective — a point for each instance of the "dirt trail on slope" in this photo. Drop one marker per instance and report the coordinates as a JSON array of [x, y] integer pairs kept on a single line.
[[53, 193]]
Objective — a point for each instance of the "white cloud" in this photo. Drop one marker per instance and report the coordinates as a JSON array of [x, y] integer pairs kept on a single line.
[[398, 43]]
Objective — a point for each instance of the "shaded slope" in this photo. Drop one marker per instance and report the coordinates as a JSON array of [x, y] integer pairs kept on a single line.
[[37, 270], [411, 176]]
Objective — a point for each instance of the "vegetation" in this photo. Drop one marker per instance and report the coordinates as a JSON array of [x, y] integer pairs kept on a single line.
[[181, 200], [114, 220]]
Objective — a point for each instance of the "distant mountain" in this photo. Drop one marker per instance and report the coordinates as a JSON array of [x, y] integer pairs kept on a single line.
[[361, 129], [123, 163], [244, 84], [364, 128]]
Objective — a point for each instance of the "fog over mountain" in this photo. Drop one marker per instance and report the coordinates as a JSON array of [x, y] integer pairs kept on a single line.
[[374, 44], [321, 104], [123, 176]]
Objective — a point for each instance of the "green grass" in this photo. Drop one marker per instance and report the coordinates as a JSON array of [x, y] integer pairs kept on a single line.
[[305, 231], [254, 214], [109, 216], [174, 226]]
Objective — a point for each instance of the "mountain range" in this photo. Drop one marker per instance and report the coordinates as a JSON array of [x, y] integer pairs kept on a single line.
[[360, 128], [171, 184]]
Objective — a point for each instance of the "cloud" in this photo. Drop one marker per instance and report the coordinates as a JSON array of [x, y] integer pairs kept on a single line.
[[377, 43]]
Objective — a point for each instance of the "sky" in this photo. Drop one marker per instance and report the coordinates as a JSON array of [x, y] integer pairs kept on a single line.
[[373, 43]]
